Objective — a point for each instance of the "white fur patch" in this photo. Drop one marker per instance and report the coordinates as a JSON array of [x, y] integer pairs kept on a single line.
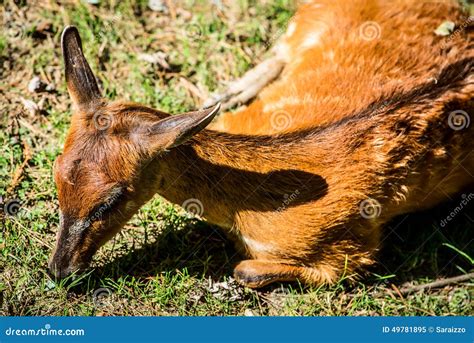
[[330, 55], [282, 103], [311, 40], [283, 51], [291, 29], [289, 101], [256, 246]]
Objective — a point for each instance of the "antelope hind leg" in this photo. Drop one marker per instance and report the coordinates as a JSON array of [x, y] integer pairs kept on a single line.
[[248, 86], [259, 273]]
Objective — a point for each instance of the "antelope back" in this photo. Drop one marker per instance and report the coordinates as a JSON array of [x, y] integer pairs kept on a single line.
[[344, 56]]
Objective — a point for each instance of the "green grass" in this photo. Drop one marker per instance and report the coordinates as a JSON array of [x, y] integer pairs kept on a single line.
[[163, 262]]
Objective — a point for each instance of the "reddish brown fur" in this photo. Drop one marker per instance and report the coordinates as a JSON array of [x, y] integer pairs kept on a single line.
[[369, 120], [342, 73]]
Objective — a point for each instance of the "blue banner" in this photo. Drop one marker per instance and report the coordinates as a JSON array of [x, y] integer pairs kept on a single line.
[[237, 329]]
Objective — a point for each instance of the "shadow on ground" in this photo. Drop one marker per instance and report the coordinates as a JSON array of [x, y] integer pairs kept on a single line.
[[202, 249], [423, 244], [414, 247]]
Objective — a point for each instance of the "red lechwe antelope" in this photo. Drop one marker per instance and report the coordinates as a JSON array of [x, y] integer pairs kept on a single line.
[[362, 114]]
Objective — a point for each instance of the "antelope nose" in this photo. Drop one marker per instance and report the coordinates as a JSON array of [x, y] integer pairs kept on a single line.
[[55, 271]]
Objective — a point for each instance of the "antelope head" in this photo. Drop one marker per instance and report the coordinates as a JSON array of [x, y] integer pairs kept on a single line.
[[110, 162]]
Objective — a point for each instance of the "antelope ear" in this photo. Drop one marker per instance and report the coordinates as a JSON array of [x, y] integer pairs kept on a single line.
[[177, 129], [81, 83]]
